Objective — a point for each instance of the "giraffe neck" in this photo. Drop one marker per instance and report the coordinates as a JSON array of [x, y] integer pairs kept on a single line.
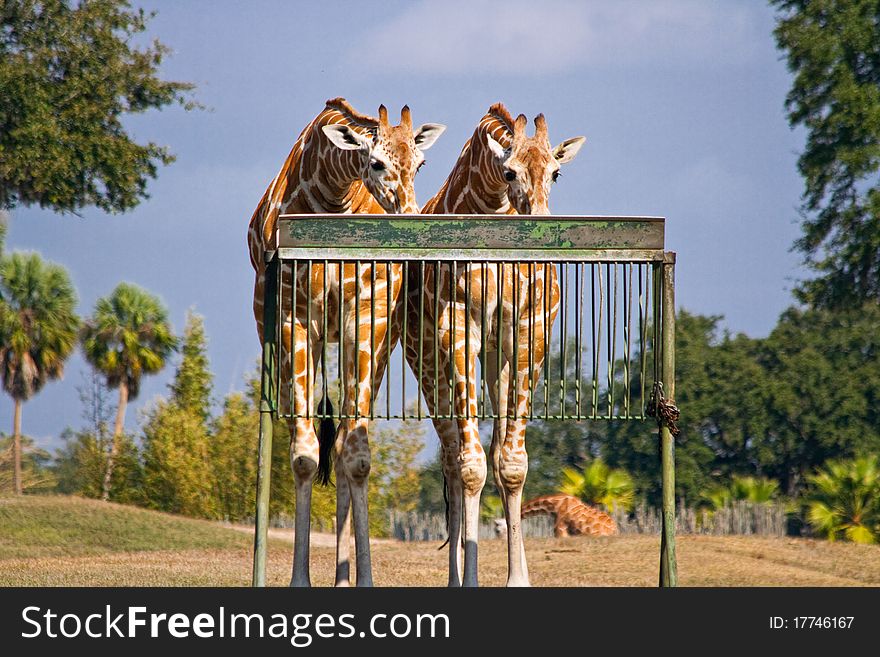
[[476, 184], [316, 177]]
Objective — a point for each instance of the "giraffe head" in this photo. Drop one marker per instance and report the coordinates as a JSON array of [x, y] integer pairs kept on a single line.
[[530, 165], [389, 157]]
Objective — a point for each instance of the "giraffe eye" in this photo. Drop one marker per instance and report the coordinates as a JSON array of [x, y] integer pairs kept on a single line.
[[421, 164], [376, 165], [556, 175], [509, 175]]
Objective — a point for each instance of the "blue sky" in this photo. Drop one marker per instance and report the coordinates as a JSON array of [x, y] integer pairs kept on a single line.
[[681, 103]]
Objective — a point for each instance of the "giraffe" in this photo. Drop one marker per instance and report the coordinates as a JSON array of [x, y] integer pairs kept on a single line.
[[571, 516], [342, 162], [500, 171]]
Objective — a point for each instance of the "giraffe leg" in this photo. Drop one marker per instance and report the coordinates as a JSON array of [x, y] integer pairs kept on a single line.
[[303, 451], [343, 521], [471, 457], [363, 371], [448, 432]]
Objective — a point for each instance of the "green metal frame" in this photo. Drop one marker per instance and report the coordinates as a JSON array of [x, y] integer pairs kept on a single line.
[[469, 238]]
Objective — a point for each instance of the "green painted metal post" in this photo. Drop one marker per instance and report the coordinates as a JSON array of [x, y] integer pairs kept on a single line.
[[267, 402], [668, 568]]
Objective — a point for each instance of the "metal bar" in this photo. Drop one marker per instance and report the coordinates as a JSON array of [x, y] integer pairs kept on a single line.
[[267, 394], [404, 299], [514, 370], [294, 288], [436, 339], [668, 566], [563, 335], [421, 334], [445, 254], [388, 318], [499, 306], [453, 272], [579, 326], [484, 275], [467, 335], [549, 272], [309, 369], [340, 309], [356, 344], [372, 337], [471, 231], [531, 276], [326, 301], [627, 318]]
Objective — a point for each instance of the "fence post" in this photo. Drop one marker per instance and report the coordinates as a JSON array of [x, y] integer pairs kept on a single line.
[[267, 398], [668, 569]]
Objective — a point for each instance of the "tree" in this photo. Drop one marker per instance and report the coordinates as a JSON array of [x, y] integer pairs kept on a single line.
[[598, 484], [34, 472], [179, 470], [833, 49], [233, 457], [822, 386], [81, 462], [38, 328], [70, 73], [192, 385], [127, 337], [755, 490], [845, 500]]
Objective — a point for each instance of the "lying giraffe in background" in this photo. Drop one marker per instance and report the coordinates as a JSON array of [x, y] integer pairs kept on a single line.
[[571, 517], [500, 171], [342, 162]]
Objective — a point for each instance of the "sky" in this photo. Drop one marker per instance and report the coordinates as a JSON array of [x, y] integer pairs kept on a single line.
[[681, 103]]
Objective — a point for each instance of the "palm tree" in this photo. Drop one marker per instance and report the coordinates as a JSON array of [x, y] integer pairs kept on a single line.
[[846, 500], [756, 490], [598, 483], [127, 336], [38, 329]]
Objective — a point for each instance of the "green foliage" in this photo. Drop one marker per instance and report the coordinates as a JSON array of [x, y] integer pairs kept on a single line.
[[36, 475], [177, 468], [845, 500], [191, 388], [80, 464], [823, 383], [756, 490], [70, 73], [38, 325], [598, 484], [127, 336], [394, 473], [233, 458], [833, 49]]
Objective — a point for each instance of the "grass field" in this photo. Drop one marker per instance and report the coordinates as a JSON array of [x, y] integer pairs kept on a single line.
[[76, 542]]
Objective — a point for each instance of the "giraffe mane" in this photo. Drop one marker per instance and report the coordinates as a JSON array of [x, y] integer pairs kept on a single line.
[[341, 105], [499, 111]]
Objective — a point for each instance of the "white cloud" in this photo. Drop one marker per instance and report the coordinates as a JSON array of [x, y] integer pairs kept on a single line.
[[519, 37]]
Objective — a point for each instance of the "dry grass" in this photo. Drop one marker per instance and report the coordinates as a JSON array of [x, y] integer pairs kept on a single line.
[[614, 561], [54, 541]]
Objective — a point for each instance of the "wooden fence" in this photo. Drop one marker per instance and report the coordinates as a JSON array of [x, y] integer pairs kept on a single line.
[[738, 519]]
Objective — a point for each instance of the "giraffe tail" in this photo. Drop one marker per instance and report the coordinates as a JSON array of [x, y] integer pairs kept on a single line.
[[326, 438]]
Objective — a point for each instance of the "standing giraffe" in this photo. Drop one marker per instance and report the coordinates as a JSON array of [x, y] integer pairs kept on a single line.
[[571, 517], [500, 171], [342, 162]]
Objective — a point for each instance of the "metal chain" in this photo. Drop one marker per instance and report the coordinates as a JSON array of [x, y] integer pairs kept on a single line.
[[664, 410]]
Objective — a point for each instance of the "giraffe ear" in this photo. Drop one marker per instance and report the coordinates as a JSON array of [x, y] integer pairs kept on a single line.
[[566, 151], [496, 148], [342, 136], [426, 134]]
